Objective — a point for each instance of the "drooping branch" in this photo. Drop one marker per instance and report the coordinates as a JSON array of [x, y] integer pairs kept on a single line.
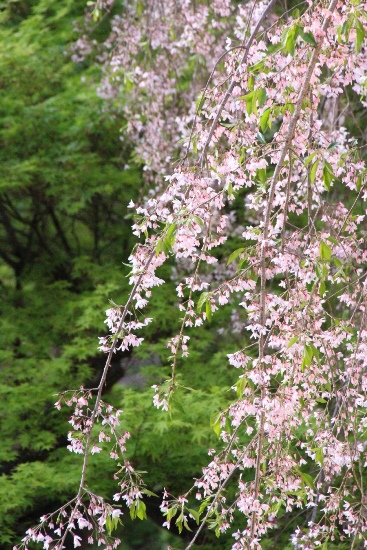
[[269, 207]]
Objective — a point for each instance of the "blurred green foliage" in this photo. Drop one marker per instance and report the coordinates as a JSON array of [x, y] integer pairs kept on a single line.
[[64, 189]]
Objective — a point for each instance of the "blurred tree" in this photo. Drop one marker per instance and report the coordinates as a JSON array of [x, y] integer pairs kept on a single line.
[[64, 188]]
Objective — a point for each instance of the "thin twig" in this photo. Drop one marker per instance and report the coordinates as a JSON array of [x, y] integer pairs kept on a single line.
[[215, 500], [104, 374]]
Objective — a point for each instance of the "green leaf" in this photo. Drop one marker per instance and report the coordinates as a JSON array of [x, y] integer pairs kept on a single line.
[[290, 40], [292, 341], [274, 48], [321, 400], [276, 506], [309, 353], [208, 310], [200, 103], [257, 67], [315, 351], [328, 175], [307, 479], [112, 524], [229, 125], [149, 493], [234, 256], [140, 7], [307, 357], [215, 424], [251, 384], [253, 275], [260, 137], [361, 33], [243, 264], [160, 247], [261, 96], [307, 37], [241, 385], [195, 514], [204, 505], [202, 300], [170, 237], [109, 525], [359, 181], [249, 103], [322, 288], [171, 230], [264, 119], [339, 35], [261, 174], [332, 240], [319, 456], [325, 251], [308, 159], [347, 26], [288, 107], [254, 104], [96, 14], [186, 525], [333, 145], [179, 522], [313, 171], [171, 512], [141, 510], [198, 220], [133, 510]]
